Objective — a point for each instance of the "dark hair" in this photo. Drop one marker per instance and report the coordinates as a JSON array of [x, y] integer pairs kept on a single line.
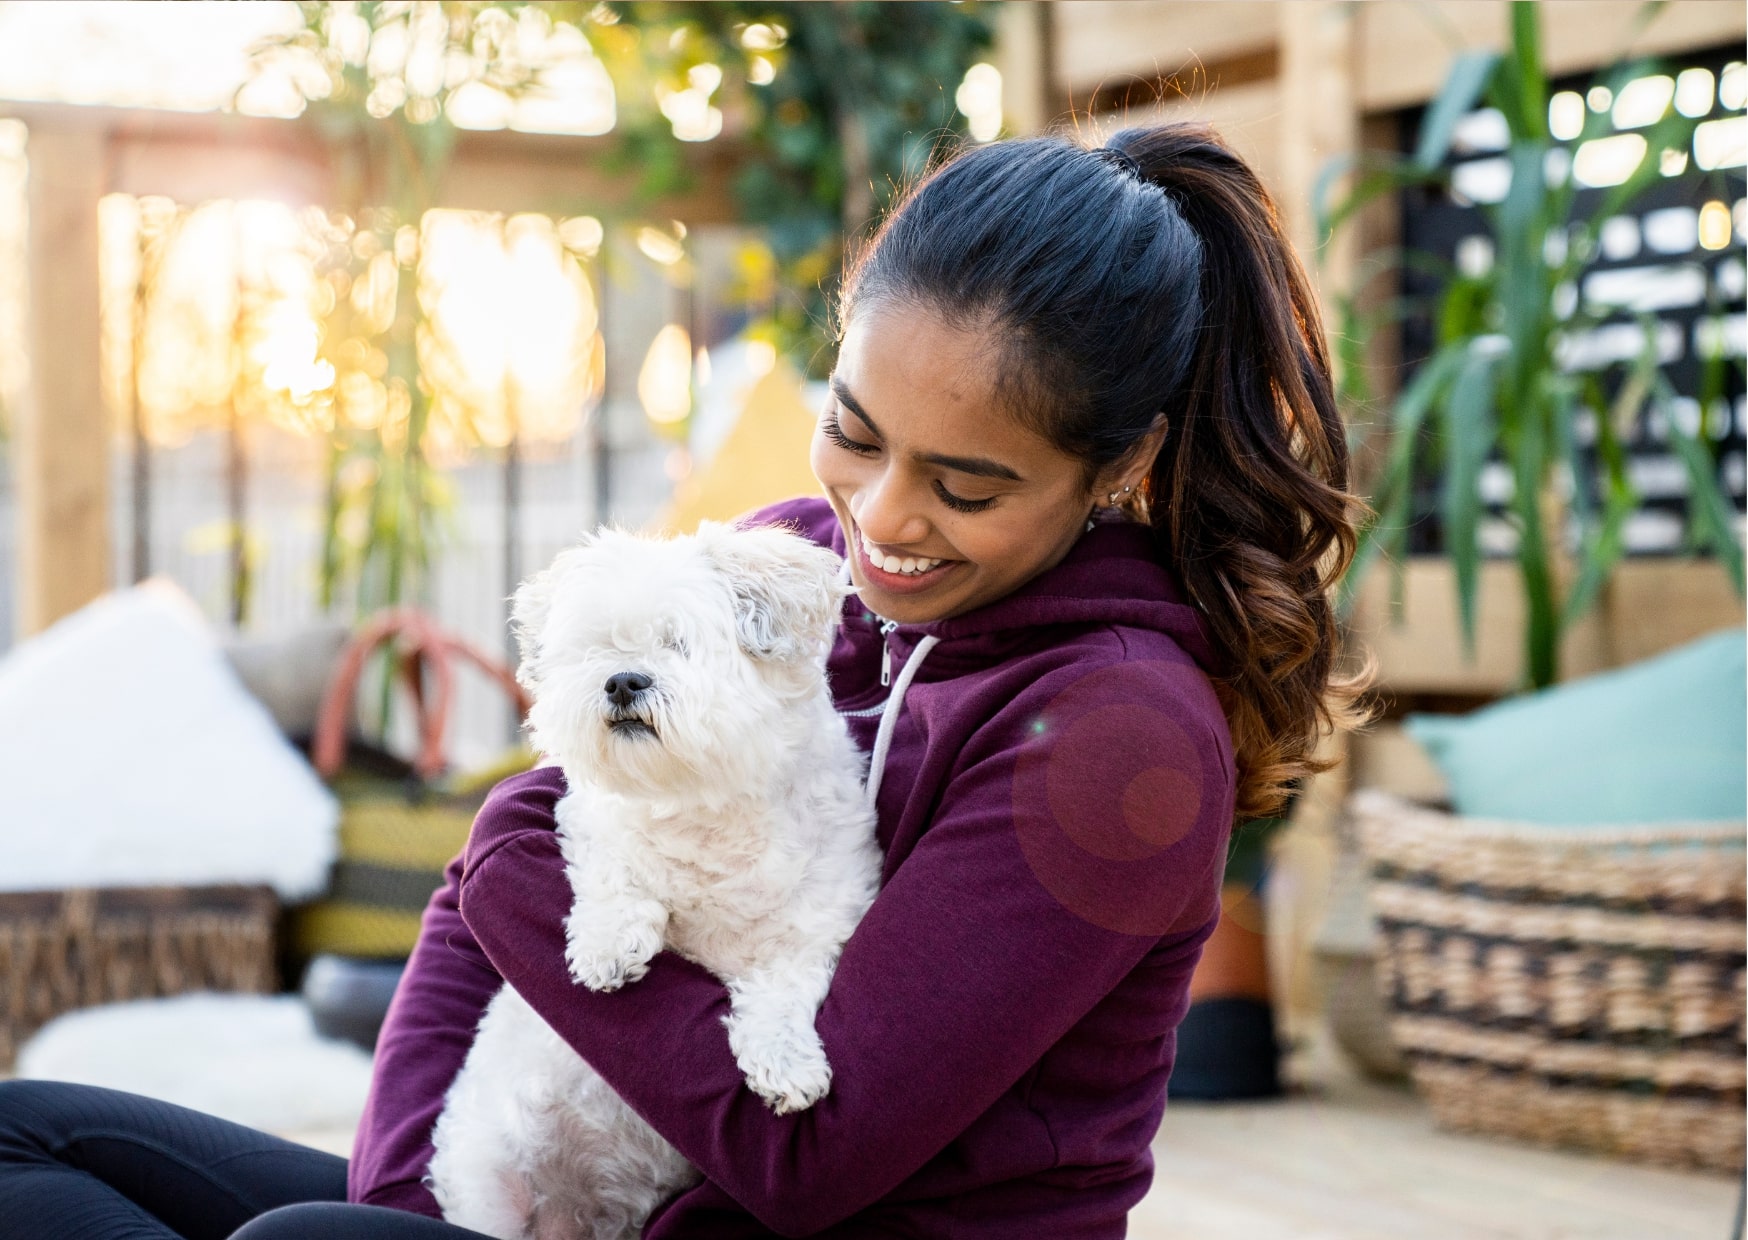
[[1150, 279]]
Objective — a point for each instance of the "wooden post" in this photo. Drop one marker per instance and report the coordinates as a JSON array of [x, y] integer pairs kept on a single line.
[[1022, 55], [1319, 121], [63, 431]]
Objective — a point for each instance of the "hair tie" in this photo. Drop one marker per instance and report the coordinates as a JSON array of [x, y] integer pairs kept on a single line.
[[1121, 160]]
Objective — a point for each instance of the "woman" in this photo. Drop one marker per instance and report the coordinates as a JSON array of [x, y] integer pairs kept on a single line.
[[1083, 458]]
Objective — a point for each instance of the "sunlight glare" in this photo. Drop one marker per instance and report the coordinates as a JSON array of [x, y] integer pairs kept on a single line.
[[1608, 161], [664, 384]]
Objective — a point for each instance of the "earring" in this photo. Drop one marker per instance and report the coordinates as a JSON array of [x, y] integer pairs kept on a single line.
[[1111, 499]]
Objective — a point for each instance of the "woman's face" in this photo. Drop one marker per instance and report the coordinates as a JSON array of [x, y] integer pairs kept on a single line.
[[946, 502]]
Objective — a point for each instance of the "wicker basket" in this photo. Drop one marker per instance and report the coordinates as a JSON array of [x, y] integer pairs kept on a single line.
[[61, 950], [1574, 987]]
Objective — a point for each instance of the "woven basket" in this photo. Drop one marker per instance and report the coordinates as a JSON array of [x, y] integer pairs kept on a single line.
[[61, 950], [1568, 986]]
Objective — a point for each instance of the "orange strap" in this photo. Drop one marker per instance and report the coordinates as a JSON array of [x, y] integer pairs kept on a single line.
[[422, 648]]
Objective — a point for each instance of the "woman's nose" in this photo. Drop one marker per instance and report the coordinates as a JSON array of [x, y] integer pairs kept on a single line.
[[886, 512]]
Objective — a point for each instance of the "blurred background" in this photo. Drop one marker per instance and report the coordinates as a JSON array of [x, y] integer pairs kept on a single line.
[[315, 314]]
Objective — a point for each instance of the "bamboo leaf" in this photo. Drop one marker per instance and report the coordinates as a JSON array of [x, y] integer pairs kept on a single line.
[[1380, 175], [1468, 77], [1709, 510], [1603, 546], [1469, 436], [1529, 81], [1387, 532]]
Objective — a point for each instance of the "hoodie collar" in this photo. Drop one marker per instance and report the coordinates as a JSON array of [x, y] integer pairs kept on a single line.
[[1112, 575]]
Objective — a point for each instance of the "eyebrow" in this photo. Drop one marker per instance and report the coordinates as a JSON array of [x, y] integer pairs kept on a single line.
[[981, 466]]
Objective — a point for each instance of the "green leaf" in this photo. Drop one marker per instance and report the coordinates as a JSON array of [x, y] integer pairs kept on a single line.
[[1380, 174], [1469, 436], [1386, 533], [1709, 510], [1468, 77], [1529, 82], [1603, 545]]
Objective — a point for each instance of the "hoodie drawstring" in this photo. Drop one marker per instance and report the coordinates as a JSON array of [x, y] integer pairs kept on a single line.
[[889, 715]]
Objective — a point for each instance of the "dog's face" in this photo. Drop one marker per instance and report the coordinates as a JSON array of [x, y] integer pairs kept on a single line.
[[667, 666]]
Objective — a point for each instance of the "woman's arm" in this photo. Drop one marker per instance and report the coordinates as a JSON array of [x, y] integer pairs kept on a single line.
[[970, 965], [425, 1038]]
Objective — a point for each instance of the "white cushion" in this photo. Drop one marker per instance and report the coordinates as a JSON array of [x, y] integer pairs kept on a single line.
[[251, 1059], [131, 755]]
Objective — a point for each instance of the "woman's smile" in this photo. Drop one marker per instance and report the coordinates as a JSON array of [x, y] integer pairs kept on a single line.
[[899, 572]]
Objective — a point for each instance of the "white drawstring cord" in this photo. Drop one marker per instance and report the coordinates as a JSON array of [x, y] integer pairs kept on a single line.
[[889, 715], [894, 701]]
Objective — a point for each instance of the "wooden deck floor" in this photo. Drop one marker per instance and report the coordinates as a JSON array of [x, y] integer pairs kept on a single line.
[[1355, 1160]]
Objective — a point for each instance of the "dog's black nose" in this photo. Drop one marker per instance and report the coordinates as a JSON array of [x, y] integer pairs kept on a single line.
[[623, 686]]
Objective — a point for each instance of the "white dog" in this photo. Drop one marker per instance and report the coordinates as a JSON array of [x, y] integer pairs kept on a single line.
[[715, 807]]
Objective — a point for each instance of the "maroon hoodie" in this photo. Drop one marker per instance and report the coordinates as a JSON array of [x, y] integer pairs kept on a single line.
[[1054, 809]]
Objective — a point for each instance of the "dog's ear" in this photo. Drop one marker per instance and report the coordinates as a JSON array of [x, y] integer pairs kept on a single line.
[[528, 610], [529, 607], [786, 589]]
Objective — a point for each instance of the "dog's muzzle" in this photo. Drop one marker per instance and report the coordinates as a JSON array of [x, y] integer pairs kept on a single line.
[[623, 690]]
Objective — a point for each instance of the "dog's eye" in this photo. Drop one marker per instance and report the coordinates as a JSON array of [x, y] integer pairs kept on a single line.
[[677, 644]]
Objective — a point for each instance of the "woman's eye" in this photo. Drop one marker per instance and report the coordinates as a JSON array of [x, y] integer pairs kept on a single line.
[[958, 503], [834, 431]]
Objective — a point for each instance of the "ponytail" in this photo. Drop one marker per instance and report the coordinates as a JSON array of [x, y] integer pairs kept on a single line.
[[1149, 280], [1254, 475]]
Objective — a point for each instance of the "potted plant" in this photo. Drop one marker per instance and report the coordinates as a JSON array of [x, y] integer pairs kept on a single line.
[[1500, 382]]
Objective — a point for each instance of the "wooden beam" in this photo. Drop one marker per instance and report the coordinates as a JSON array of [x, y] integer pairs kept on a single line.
[[1655, 603], [1245, 116], [1406, 48], [1098, 41], [196, 157], [1648, 606], [63, 429]]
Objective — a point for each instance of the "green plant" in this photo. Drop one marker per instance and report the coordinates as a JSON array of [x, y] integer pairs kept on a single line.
[[843, 104], [840, 104], [1494, 385]]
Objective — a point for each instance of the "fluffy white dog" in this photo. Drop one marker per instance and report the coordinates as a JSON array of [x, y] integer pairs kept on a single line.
[[715, 807]]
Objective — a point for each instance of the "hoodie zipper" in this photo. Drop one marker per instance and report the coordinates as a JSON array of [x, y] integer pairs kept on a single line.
[[886, 627]]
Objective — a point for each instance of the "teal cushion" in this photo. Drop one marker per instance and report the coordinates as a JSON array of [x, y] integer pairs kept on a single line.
[[1665, 740]]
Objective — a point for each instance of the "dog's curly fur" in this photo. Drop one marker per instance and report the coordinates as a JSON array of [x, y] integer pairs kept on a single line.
[[715, 808]]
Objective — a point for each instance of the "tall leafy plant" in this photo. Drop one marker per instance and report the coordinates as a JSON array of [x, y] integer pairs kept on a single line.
[[839, 104], [1497, 385]]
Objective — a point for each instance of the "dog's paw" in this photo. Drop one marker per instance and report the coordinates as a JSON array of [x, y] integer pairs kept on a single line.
[[611, 960], [789, 1073]]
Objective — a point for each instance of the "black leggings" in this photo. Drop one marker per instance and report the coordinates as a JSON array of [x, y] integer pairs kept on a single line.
[[80, 1163]]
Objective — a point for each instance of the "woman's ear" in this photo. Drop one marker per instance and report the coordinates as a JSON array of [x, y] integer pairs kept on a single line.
[[1132, 468]]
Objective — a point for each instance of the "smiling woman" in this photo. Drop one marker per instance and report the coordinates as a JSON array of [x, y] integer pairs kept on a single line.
[[934, 532], [1083, 461]]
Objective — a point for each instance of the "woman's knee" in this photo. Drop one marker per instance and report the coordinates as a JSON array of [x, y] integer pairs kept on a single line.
[[313, 1220], [328, 1220], [30, 1114]]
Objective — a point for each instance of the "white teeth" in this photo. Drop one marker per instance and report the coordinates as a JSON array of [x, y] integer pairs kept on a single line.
[[907, 565]]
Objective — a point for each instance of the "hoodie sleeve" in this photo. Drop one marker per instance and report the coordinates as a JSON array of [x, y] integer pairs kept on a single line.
[[1002, 929], [424, 1039]]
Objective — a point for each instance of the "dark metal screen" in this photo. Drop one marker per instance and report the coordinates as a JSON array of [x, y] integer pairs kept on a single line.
[[1663, 255]]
